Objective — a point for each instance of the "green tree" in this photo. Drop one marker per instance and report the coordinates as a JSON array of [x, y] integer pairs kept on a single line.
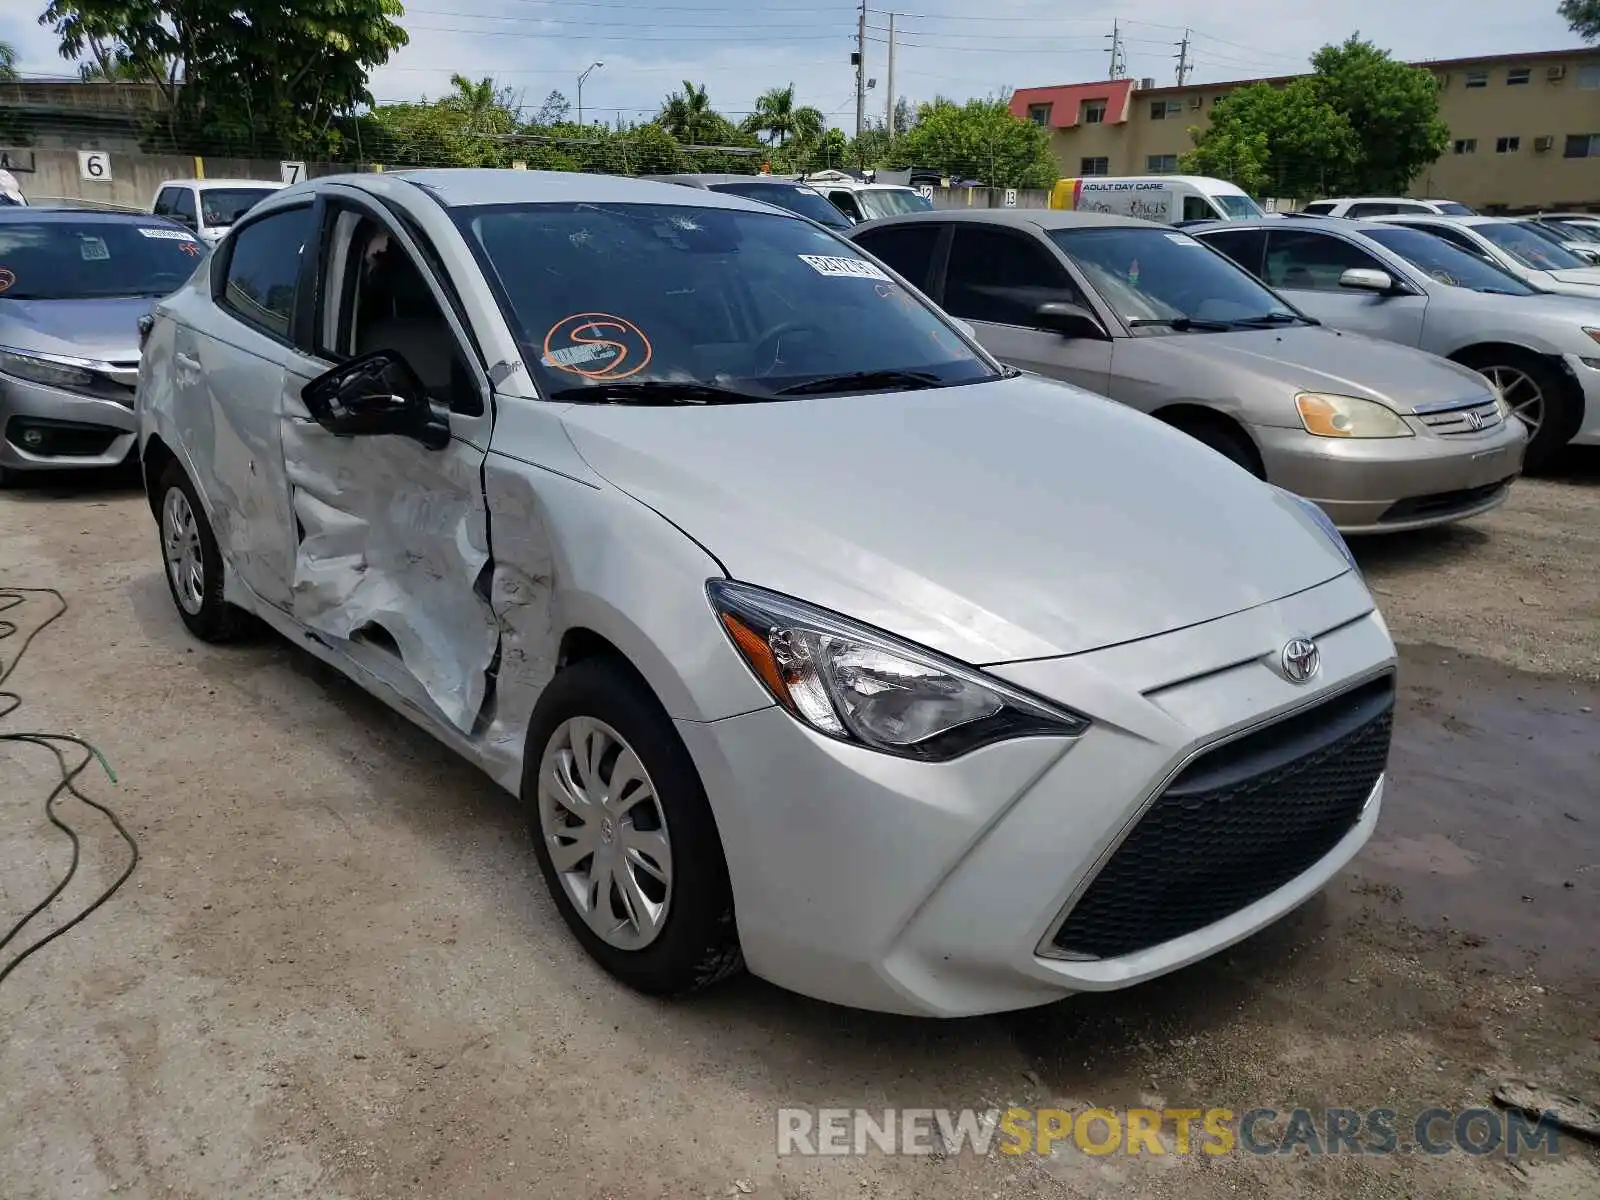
[[554, 110], [484, 108], [1232, 152], [1393, 109], [1583, 18], [979, 139], [267, 77], [8, 62], [688, 115], [778, 117], [1308, 142]]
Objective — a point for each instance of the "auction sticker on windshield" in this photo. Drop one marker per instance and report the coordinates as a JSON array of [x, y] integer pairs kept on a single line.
[[166, 235], [597, 346], [93, 249], [853, 268]]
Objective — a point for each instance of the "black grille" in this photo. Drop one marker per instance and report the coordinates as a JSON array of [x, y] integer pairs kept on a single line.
[[1443, 503], [1236, 825]]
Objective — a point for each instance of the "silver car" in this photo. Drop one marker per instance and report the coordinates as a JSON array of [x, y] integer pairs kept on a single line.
[[810, 636], [73, 285], [1526, 253], [1542, 351], [1382, 437]]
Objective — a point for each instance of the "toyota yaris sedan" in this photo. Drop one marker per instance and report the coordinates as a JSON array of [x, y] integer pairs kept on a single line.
[[813, 639]]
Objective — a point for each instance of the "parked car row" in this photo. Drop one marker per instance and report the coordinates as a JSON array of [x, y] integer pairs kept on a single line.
[[814, 637]]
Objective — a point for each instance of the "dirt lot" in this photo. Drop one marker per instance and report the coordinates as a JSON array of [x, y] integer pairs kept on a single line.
[[336, 973]]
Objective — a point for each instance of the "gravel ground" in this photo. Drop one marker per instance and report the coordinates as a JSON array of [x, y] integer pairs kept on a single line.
[[336, 972]]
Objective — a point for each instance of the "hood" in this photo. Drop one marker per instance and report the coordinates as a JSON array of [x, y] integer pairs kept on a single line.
[[1588, 276], [994, 522], [102, 329], [1309, 358]]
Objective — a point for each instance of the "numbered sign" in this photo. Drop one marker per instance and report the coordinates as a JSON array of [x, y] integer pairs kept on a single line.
[[926, 191], [1011, 198], [94, 166], [292, 172]]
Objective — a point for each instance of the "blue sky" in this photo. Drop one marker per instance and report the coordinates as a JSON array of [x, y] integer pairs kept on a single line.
[[739, 49]]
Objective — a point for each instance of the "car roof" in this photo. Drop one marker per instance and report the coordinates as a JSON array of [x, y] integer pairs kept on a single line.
[[1302, 221], [1017, 218], [1434, 218], [222, 183], [709, 178], [36, 213], [456, 187]]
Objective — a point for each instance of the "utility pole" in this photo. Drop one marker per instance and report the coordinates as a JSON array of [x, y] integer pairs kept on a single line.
[[861, 68], [1118, 67], [591, 67], [1184, 65], [888, 121]]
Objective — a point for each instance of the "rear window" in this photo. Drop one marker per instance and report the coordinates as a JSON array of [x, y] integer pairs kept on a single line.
[[1451, 209], [795, 197], [224, 206], [93, 259]]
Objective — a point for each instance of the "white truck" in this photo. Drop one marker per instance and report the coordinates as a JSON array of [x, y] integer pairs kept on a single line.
[[1165, 198]]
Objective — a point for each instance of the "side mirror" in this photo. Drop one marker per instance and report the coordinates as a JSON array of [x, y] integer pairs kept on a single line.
[[1365, 279], [964, 327], [376, 393], [1069, 320]]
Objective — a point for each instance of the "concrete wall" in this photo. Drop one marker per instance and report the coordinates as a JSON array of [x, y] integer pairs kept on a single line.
[[47, 174], [989, 198]]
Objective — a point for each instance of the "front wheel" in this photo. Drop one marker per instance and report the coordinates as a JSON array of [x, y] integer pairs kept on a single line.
[[1537, 393], [624, 834], [193, 562]]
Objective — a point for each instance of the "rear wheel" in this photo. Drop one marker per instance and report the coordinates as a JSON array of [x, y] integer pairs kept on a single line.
[[193, 562], [1537, 392], [624, 834]]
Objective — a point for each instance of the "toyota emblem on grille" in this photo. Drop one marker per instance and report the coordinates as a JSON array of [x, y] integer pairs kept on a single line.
[[1301, 660]]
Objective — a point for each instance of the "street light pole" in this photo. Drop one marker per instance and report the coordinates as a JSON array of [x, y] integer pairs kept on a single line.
[[581, 78]]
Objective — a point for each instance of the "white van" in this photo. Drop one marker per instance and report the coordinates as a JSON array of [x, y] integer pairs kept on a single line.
[[863, 201], [1165, 198], [210, 206]]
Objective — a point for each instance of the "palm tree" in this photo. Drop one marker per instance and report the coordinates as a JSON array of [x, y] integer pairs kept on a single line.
[[688, 115], [478, 102], [776, 116], [8, 62]]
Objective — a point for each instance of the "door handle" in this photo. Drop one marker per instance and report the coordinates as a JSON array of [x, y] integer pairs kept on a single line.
[[187, 360]]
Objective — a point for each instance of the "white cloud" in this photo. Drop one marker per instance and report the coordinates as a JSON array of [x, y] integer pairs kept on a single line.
[[739, 49]]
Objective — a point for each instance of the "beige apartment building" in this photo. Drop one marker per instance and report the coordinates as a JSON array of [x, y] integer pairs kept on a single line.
[[1525, 128]]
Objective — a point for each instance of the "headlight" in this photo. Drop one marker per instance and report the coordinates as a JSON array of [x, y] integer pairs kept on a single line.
[[1592, 332], [854, 683], [1323, 522], [1348, 417], [45, 371]]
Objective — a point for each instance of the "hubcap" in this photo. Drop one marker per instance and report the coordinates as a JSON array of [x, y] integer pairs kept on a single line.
[[180, 538], [605, 832], [1522, 395]]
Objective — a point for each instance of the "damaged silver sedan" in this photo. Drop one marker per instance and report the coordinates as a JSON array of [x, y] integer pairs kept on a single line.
[[812, 638]]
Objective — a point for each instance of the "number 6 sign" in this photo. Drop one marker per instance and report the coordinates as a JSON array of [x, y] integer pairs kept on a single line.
[[94, 166]]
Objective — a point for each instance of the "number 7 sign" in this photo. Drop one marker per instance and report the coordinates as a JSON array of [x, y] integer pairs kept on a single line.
[[292, 172]]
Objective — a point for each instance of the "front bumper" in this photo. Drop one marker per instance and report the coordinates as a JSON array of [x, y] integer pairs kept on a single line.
[[1586, 370], [73, 432], [1387, 485], [935, 889]]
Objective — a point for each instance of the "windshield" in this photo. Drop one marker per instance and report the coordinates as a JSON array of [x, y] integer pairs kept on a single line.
[[1451, 209], [1156, 277], [796, 197], [891, 202], [1238, 208], [1531, 249], [616, 297], [93, 259], [224, 206], [1446, 263], [1572, 231]]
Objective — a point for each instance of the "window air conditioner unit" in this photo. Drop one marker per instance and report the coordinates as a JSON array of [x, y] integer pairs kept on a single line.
[[1543, 145], [1555, 73]]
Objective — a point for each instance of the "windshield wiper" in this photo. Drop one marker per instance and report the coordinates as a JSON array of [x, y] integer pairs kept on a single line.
[[655, 391], [864, 381], [1274, 318], [1184, 324]]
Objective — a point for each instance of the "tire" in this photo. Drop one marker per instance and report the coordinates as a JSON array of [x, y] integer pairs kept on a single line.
[[192, 562], [1226, 438], [600, 706], [1559, 413]]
